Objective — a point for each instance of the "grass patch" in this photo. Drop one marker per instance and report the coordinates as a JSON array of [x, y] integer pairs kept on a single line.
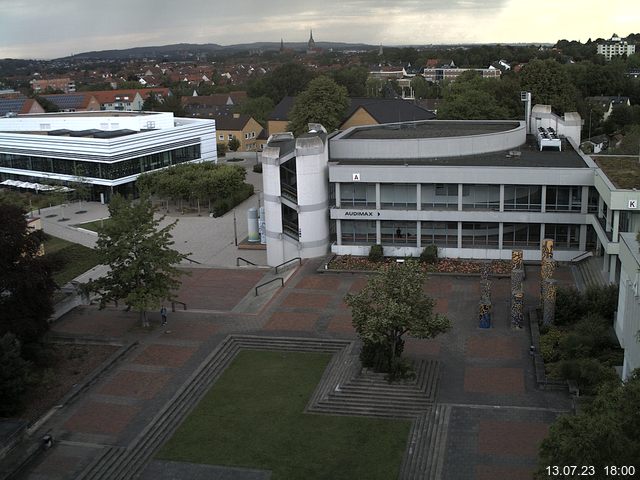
[[74, 259], [253, 417], [624, 172], [95, 225]]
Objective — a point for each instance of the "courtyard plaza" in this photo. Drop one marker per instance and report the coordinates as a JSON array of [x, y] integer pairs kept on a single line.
[[496, 414]]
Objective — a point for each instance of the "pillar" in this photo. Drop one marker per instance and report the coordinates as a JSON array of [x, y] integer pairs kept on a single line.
[[549, 301]]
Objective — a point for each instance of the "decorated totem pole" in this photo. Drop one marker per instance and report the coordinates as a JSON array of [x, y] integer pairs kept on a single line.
[[484, 307], [517, 289], [548, 284]]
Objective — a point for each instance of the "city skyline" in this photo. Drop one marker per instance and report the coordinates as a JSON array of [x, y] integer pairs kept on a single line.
[[39, 29]]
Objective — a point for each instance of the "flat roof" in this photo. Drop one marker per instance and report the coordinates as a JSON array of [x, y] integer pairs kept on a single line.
[[97, 113], [530, 156], [430, 129], [623, 171]]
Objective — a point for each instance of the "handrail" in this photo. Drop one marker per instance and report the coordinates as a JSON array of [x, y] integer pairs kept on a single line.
[[193, 261], [582, 256], [244, 260], [173, 305], [270, 281], [288, 261]]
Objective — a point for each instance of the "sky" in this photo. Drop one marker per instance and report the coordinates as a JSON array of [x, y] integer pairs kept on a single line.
[[47, 29]]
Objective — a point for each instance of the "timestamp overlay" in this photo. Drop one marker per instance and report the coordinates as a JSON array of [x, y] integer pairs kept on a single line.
[[574, 471]]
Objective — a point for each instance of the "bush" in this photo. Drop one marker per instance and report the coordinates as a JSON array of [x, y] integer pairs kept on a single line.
[[222, 206], [234, 144], [257, 168], [602, 301], [222, 149], [588, 373], [569, 306], [549, 342], [429, 254], [376, 253]]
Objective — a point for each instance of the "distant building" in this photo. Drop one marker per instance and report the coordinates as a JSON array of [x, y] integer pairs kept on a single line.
[[451, 73], [608, 103], [19, 105], [74, 102], [244, 128], [128, 100], [41, 85], [615, 46], [311, 45], [361, 111], [108, 149]]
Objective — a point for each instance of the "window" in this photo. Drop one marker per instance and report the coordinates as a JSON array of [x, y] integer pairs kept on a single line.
[[564, 199], [442, 234], [357, 195], [564, 236], [521, 235], [398, 233], [439, 196], [522, 198], [230, 137], [481, 197], [480, 235], [45, 126], [290, 222], [358, 232], [399, 196]]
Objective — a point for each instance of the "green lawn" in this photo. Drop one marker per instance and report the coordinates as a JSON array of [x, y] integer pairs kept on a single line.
[[75, 259], [93, 226], [253, 417]]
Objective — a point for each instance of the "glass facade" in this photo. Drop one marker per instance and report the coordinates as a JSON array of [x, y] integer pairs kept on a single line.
[[521, 235], [522, 198], [398, 196], [564, 236], [563, 199], [481, 197], [354, 232], [399, 233], [480, 235], [290, 224], [442, 234], [104, 170], [358, 195], [439, 196], [289, 180]]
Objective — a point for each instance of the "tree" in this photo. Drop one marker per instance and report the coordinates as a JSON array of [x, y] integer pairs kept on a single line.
[[604, 433], [234, 144], [26, 284], [549, 84], [287, 80], [324, 101], [420, 87], [14, 372], [142, 264], [471, 97], [259, 108], [353, 79], [389, 306]]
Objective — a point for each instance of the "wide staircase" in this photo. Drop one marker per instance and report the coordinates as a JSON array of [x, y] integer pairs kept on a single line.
[[588, 273]]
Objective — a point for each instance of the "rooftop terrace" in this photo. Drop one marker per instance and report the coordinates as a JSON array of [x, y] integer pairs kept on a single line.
[[430, 129]]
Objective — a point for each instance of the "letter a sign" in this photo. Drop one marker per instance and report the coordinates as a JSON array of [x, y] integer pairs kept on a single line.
[[356, 177]]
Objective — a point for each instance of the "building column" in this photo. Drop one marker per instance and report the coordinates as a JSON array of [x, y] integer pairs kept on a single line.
[[500, 225], [616, 225], [419, 234], [613, 260], [542, 234], [608, 220], [378, 232], [583, 238], [600, 207], [459, 234], [605, 262], [378, 200], [501, 199], [584, 206], [337, 199], [460, 198], [339, 232], [543, 203], [418, 197]]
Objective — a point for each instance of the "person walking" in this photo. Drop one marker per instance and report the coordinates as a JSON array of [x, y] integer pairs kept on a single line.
[[163, 314]]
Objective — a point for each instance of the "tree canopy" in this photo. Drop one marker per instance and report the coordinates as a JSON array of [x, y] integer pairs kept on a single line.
[[549, 84], [324, 101], [604, 433], [26, 283], [142, 264], [389, 306], [472, 97], [286, 80]]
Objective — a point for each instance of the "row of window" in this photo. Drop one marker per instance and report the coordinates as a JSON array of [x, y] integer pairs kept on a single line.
[[110, 171], [445, 234], [247, 136], [474, 197]]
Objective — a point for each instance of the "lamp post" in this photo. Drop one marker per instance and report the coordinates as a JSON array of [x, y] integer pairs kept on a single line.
[[590, 110]]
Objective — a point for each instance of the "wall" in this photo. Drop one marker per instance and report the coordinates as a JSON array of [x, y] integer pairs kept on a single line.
[[359, 117]]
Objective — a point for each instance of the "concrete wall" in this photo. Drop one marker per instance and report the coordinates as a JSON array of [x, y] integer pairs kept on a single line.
[[627, 322]]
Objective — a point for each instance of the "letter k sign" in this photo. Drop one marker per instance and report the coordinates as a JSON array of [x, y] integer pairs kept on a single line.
[[633, 203]]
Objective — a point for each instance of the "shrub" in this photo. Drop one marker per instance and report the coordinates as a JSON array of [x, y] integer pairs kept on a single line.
[[569, 306], [429, 254], [234, 144], [549, 342], [588, 373], [222, 149], [14, 372], [257, 168], [602, 301], [376, 253]]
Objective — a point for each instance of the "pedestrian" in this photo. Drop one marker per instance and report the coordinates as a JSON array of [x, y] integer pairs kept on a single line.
[[163, 314]]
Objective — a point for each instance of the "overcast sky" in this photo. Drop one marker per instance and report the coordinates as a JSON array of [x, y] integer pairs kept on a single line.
[[55, 28]]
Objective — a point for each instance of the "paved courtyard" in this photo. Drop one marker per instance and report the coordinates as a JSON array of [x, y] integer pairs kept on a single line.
[[498, 416]]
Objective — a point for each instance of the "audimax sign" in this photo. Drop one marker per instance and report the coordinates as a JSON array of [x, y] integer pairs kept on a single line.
[[361, 213]]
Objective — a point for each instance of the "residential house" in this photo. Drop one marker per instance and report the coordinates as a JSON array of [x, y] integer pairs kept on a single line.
[[607, 103], [65, 84], [128, 100], [74, 102], [21, 105], [242, 127]]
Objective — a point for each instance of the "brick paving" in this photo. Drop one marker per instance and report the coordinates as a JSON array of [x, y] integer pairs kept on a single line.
[[498, 416]]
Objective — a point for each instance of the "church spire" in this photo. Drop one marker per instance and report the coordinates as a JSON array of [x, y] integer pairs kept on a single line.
[[281, 45]]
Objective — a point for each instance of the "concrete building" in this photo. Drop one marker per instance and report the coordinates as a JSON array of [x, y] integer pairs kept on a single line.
[[108, 150], [615, 46], [451, 73], [66, 85], [627, 324]]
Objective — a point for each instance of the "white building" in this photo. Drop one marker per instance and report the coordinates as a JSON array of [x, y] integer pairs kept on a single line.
[[627, 324], [109, 150], [615, 46]]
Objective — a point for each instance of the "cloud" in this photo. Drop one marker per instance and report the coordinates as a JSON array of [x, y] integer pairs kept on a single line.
[[42, 29]]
